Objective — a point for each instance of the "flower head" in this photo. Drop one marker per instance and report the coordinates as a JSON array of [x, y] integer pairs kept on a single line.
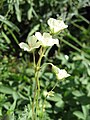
[[56, 25], [46, 39], [60, 73], [32, 44]]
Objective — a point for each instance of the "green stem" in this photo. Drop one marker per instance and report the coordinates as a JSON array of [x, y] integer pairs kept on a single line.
[[34, 60], [37, 85], [42, 51], [53, 87], [48, 95], [33, 108], [37, 93]]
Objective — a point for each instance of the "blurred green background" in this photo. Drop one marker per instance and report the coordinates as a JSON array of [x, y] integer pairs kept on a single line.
[[71, 100]]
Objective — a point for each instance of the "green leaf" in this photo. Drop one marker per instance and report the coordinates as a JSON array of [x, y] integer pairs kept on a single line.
[[77, 93], [47, 104], [12, 107], [8, 90], [60, 103], [6, 37], [29, 13], [8, 23], [85, 109], [15, 95], [55, 98], [79, 115], [88, 117], [18, 12], [34, 29]]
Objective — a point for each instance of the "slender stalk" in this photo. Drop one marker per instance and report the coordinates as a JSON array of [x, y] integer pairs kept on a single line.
[[35, 109], [53, 87], [42, 51], [36, 94], [34, 60], [47, 96]]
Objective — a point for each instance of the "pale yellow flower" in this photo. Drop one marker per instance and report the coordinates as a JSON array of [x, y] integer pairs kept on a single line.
[[56, 25], [60, 73], [32, 44], [24, 46], [46, 39]]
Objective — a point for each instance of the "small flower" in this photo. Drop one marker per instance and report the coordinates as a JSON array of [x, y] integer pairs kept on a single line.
[[60, 73], [32, 44], [56, 25], [46, 39]]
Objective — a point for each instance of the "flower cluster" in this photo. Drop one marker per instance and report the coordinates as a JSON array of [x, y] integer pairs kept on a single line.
[[38, 40], [46, 39]]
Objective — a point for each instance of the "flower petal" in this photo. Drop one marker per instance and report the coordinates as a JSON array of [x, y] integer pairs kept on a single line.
[[46, 35], [31, 40], [33, 43], [38, 36], [24, 46], [56, 41]]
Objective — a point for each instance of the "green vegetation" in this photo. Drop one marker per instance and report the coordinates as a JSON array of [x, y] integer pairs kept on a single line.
[[71, 97]]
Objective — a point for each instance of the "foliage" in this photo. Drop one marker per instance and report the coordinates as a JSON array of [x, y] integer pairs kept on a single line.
[[71, 100]]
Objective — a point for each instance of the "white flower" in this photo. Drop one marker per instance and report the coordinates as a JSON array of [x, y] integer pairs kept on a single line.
[[56, 25], [32, 44], [46, 39], [24, 46], [60, 73]]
